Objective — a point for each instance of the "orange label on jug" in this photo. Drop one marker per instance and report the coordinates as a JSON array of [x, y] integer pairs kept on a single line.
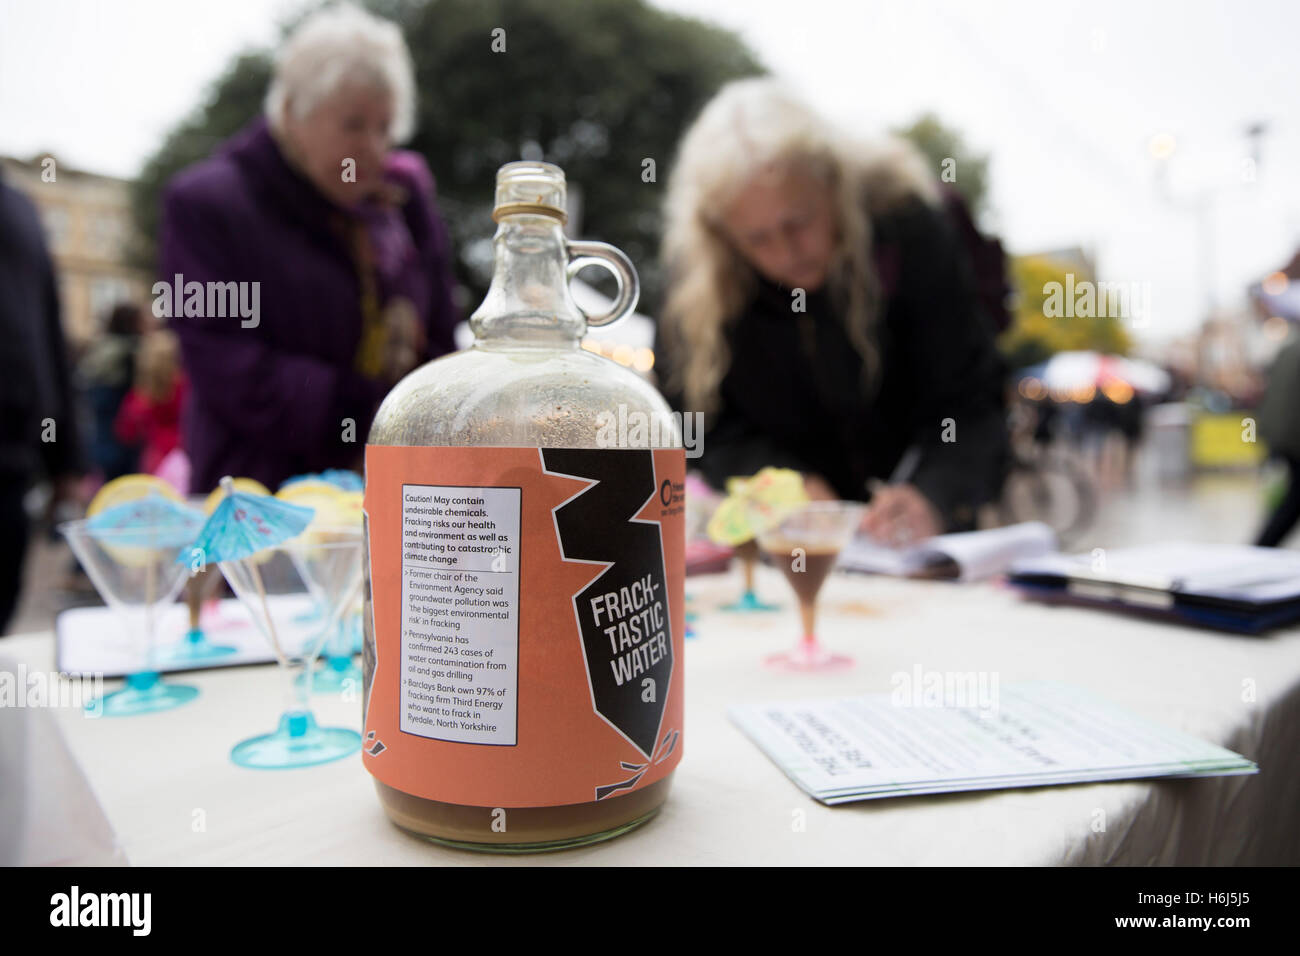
[[528, 618]]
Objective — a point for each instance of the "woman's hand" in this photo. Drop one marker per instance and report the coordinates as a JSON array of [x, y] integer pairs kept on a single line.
[[900, 515]]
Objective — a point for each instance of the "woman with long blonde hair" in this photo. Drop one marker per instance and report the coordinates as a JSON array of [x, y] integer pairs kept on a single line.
[[822, 314]]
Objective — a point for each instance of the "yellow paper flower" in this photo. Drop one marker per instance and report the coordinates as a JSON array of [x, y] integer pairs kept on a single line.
[[756, 503]]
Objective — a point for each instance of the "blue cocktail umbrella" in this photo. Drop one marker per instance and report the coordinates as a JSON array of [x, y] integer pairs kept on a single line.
[[338, 477], [151, 521], [127, 552], [155, 524], [242, 526], [245, 523]]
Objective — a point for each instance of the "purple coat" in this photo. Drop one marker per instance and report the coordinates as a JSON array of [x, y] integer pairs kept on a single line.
[[275, 400]]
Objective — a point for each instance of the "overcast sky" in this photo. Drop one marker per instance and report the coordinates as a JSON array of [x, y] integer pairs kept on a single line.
[[1065, 96]]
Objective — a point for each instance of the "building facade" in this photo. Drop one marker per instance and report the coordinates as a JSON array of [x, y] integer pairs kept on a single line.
[[90, 233]]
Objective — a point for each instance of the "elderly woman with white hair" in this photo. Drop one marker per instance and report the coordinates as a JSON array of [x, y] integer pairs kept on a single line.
[[822, 314], [304, 264]]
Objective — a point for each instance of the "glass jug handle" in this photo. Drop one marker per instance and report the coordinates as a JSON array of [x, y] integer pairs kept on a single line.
[[583, 254]]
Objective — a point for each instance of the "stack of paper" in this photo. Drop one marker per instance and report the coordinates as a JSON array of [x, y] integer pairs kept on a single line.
[[1231, 587], [968, 555], [1023, 735]]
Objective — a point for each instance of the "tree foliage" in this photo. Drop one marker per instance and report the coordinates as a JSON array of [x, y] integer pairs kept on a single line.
[[595, 86], [1034, 335], [939, 144]]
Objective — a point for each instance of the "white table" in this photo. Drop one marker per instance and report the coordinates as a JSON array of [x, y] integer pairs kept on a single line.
[[172, 795]]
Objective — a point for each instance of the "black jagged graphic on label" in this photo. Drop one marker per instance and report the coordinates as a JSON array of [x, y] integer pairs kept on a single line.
[[623, 615]]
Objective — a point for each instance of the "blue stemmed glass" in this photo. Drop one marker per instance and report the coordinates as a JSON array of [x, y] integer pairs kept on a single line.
[[338, 671], [136, 572], [330, 558], [194, 647], [748, 602]]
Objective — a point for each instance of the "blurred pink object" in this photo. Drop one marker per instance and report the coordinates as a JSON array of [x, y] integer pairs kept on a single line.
[[705, 557], [702, 555], [175, 470], [89, 484], [696, 485]]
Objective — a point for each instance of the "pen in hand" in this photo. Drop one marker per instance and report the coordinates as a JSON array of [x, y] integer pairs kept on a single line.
[[899, 514]]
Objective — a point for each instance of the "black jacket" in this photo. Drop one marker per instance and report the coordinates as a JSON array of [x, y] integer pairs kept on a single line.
[[792, 397], [34, 378]]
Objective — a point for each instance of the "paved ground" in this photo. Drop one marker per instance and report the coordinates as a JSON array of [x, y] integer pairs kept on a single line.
[[1222, 507], [50, 584]]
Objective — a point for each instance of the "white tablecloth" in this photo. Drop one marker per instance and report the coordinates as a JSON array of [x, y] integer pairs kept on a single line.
[[172, 795]]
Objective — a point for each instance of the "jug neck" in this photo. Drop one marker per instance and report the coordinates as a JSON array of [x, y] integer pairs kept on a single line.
[[528, 304]]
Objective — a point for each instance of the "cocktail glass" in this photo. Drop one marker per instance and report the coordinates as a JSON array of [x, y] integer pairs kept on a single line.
[[339, 671], [195, 647], [136, 572], [329, 558], [805, 546], [748, 602]]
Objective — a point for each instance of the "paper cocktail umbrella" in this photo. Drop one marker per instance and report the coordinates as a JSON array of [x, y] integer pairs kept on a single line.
[[752, 505], [243, 527]]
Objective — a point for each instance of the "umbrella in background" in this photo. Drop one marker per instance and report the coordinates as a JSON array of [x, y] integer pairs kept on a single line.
[[1072, 373]]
